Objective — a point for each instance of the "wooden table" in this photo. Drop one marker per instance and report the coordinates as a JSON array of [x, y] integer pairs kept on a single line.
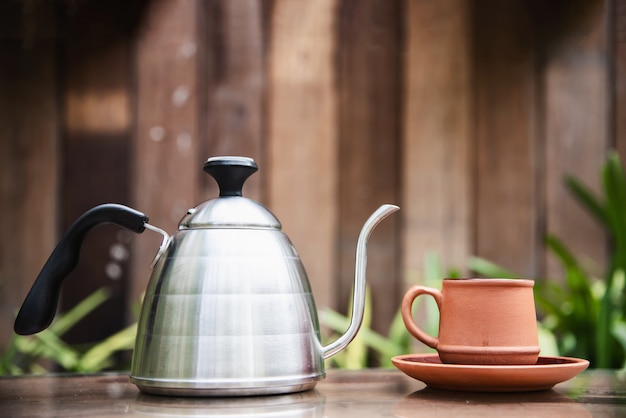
[[365, 393]]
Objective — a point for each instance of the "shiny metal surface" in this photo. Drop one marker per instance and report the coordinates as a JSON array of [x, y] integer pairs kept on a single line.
[[230, 212], [164, 243], [299, 405], [358, 298], [228, 310]]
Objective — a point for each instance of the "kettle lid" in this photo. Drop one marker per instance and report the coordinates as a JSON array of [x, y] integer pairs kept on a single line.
[[230, 209]]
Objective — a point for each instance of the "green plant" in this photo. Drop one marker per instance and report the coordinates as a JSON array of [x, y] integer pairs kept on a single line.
[[586, 314], [26, 354], [397, 341], [356, 354], [610, 212]]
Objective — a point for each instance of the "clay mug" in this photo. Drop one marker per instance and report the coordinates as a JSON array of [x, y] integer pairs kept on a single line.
[[481, 321]]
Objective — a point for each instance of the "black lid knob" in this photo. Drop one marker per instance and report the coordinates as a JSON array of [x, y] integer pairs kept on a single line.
[[230, 173]]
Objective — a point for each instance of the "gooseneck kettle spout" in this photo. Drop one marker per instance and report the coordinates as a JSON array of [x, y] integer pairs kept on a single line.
[[358, 296]]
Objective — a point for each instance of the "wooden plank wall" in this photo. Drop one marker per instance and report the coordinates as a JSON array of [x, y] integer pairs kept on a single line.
[[369, 74], [529, 132], [616, 51], [576, 137], [96, 132], [616, 38], [29, 151], [466, 113], [505, 183], [437, 144], [166, 158], [302, 134]]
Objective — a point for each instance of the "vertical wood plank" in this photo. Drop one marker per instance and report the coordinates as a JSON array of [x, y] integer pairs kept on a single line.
[[576, 131], [505, 186], [302, 135], [234, 73], [437, 175], [29, 151], [369, 134], [96, 151], [618, 82], [166, 161]]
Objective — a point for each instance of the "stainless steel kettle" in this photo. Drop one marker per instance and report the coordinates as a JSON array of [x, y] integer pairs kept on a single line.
[[228, 310]]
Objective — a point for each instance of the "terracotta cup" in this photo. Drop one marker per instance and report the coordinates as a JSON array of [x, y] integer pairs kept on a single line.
[[482, 321]]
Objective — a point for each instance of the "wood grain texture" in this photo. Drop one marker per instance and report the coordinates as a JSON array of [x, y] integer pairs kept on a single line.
[[617, 89], [369, 83], [29, 152], [166, 162], [505, 188], [465, 113], [96, 148], [302, 135], [232, 59], [576, 118], [437, 144]]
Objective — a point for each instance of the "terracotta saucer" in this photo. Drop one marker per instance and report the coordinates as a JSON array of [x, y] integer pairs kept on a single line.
[[547, 372]]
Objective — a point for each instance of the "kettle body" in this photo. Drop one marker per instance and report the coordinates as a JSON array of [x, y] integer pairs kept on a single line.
[[228, 310], [254, 333]]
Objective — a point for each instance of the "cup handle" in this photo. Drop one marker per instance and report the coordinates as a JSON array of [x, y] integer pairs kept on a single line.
[[407, 313]]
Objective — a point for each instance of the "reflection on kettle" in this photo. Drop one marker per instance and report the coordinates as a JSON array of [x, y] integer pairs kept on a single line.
[[309, 404], [436, 403], [228, 310]]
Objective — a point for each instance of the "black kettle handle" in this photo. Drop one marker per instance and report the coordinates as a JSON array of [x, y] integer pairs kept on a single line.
[[39, 307]]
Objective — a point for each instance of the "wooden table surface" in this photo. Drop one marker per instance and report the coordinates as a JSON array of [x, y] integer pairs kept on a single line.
[[364, 393]]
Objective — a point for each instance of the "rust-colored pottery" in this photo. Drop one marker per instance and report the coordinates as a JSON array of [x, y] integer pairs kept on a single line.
[[482, 321], [547, 372]]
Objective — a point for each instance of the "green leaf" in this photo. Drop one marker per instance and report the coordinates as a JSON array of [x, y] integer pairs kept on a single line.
[[356, 351], [547, 341], [354, 356], [6, 362], [588, 199], [618, 330], [48, 344], [487, 268], [432, 267], [399, 335], [577, 279], [609, 316], [385, 347], [99, 356], [78, 312], [54, 348], [615, 193]]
